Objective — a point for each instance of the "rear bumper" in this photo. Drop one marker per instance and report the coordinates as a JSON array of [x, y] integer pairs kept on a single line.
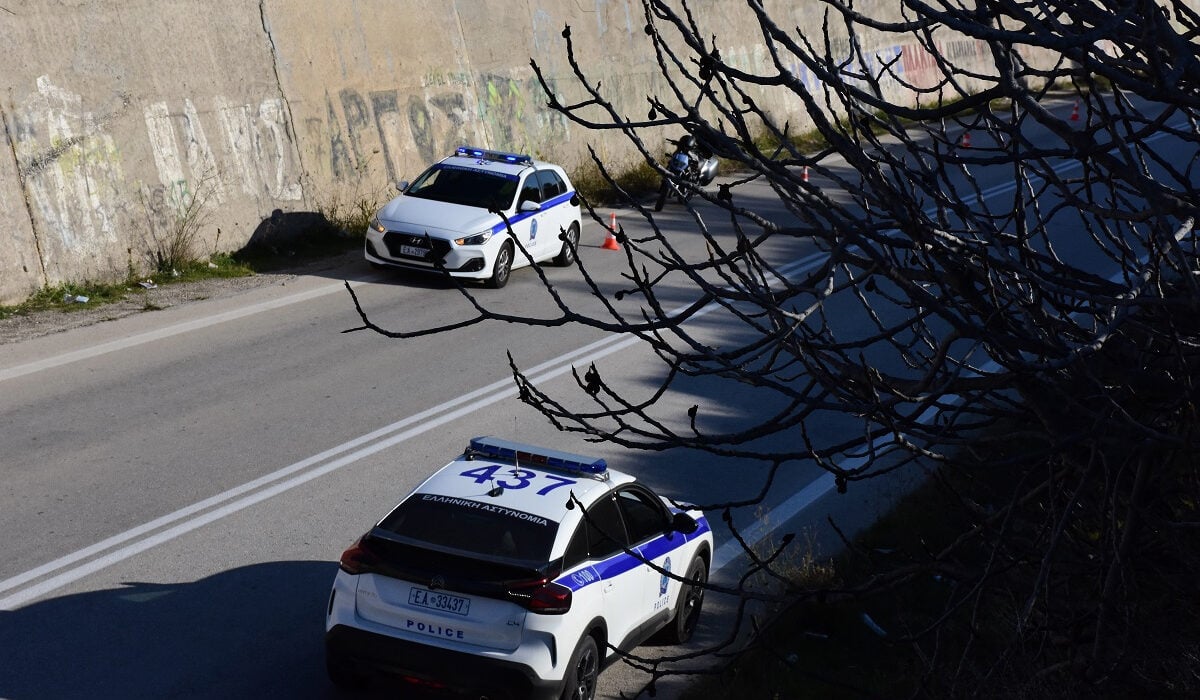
[[457, 672]]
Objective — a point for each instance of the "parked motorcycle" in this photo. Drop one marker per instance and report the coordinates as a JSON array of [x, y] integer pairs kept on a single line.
[[691, 163]]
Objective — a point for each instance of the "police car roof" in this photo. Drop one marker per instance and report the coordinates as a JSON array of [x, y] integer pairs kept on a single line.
[[521, 484], [492, 161]]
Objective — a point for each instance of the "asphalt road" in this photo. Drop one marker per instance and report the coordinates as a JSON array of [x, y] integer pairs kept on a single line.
[[175, 487]]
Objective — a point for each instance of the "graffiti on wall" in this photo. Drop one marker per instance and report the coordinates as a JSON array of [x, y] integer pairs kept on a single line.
[[73, 168], [69, 166], [895, 66], [255, 156], [396, 132]]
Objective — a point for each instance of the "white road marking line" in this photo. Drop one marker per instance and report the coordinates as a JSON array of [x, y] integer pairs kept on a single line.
[[776, 517], [167, 331], [264, 487]]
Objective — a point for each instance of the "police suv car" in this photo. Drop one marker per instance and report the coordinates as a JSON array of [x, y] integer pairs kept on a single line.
[[478, 214], [514, 571]]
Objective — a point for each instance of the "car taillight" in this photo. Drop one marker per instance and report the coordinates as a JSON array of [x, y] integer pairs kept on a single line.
[[541, 596], [359, 558]]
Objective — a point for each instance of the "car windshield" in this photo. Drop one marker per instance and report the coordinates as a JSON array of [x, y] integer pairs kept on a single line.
[[476, 527], [467, 186]]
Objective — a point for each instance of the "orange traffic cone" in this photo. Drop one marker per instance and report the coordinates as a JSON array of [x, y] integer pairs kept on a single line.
[[610, 242], [1075, 112], [805, 175], [966, 142]]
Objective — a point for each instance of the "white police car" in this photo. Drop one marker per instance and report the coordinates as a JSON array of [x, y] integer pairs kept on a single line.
[[452, 217], [511, 572]]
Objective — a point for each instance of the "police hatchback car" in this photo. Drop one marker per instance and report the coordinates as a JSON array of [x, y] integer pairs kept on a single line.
[[513, 571], [452, 217]]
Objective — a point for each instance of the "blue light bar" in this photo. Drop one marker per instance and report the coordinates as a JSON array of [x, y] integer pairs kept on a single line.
[[485, 154], [535, 456]]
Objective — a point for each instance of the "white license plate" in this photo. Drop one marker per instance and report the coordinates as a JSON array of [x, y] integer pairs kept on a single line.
[[436, 600], [413, 251]]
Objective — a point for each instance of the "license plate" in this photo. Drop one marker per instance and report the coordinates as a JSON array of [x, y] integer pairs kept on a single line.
[[436, 600], [413, 251]]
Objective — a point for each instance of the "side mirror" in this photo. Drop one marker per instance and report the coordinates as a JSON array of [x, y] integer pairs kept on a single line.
[[682, 522], [529, 205], [402, 185]]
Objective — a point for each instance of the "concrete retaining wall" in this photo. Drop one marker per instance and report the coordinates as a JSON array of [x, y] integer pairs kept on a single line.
[[130, 121]]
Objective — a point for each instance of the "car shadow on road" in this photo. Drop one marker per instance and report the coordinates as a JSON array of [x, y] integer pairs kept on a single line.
[[254, 631]]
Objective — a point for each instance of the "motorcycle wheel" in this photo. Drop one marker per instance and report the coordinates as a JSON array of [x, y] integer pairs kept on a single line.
[[662, 195]]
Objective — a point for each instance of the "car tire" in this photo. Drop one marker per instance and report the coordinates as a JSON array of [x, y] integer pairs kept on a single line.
[[583, 671], [502, 268], [687, 607], [342, 673], [570, 241]]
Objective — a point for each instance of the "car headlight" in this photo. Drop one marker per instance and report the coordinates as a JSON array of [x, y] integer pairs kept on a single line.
[[377, 225], [477, 239]]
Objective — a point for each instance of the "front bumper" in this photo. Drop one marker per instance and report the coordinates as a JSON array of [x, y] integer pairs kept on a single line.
[[466, 262], [457, 672]]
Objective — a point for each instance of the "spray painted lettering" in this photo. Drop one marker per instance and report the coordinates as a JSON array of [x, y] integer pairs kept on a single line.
[[69, 167], [410, 133]]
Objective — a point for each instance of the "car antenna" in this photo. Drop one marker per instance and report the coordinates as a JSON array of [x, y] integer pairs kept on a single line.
[[497, 489]]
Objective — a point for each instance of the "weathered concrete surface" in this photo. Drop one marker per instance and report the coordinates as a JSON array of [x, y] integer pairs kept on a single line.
[[131, 122], [120, 114]]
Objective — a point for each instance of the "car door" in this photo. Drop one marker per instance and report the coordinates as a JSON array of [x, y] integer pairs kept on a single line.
[[621, 578], [648, 526], [529, 226], [556, 215]]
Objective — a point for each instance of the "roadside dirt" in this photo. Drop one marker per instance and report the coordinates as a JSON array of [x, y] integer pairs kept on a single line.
[[19, 328]]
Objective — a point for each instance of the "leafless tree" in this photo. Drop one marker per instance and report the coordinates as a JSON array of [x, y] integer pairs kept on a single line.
[[1049, 338]]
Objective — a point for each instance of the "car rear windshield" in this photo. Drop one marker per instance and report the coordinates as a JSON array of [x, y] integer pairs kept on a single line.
[[473, 188], [476, 527]]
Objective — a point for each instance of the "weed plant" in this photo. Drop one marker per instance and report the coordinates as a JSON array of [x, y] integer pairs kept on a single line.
[[635, 182]]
